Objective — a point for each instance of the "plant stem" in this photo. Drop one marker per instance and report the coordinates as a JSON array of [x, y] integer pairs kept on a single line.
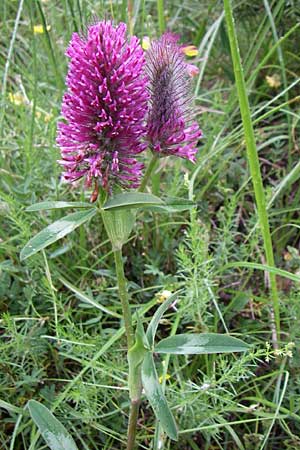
[[161, 17], [149, 170], [123, 295], [132, 424], [252, 157], [130, 16]]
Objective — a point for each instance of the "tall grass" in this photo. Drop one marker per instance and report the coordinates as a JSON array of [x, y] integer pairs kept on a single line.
[[253, 159]]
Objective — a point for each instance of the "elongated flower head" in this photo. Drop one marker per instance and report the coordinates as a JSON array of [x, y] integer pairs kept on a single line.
[[171, 127], [104, 108]]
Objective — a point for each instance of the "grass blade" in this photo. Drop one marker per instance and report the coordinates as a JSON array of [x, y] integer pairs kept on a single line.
[[252, 157]]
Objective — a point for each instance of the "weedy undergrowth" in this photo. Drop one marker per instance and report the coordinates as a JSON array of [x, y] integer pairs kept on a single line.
[[109, 85], [63, 337]]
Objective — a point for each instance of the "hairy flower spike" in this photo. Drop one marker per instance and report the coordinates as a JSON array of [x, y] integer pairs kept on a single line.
[[105, 107], [171, 129]]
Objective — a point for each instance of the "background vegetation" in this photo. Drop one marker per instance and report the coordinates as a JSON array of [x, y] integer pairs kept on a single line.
[[56, 346]]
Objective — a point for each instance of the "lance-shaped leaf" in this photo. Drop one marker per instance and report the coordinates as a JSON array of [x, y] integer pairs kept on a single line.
[[157, 400], [185, 344], [87, 299], [173, 205], [135, 357], [152, 327], [53, 432], [56, 205], [56, 231], [132, 200]]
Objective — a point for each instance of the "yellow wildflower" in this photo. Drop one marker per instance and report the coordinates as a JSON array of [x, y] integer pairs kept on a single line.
[[273, 81], [287, 256], [146, 42], [48, 117], [190, 50], [162, 378], [39, 29], [17, 98], [163, 295]]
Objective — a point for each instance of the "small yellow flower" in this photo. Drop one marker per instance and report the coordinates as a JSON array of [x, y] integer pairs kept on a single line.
[[163, 295], [273, 81], [162, 378], [17, 98], [48, 117], [190, 50], [146, 43], [287, 256], [39, 29], [38, 114]]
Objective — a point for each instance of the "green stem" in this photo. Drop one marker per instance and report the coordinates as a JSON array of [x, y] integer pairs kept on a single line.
[[148, 173], [161, 17], [122, 287], [252, 158], [130, 16], [123, 295], [133, 418]]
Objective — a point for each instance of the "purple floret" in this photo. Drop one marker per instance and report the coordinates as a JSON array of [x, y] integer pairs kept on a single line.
[[171, 127], [104, 107]]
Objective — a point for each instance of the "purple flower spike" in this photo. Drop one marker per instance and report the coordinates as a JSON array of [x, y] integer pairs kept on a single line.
[[105, 107], [171, 129]]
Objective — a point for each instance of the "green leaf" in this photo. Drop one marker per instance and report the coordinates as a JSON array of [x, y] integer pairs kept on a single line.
[[53, 432], [85, 298], [55, 231], [173, 205], [270, 269], [184, 344], [135, 357], [156, 397], [152, 327], [132, 200], [57, 205]]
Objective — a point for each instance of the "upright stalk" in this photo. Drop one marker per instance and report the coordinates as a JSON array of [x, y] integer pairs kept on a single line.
[[148, 172], [130, 16], [161, 16], [132, 424], [123, 295], [252, 157]]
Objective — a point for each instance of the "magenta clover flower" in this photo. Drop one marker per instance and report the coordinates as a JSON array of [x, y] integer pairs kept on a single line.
[[171, 128], [104, 107]]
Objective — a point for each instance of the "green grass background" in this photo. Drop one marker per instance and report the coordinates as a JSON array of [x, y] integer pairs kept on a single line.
[[59, 349]]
